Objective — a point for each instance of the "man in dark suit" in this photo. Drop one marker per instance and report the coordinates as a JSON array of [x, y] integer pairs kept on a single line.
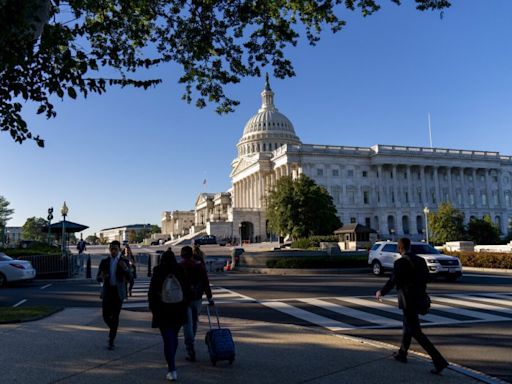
[[410, 276], [113, 273]]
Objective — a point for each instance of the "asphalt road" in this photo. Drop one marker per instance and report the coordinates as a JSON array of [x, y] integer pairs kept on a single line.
[[313, 300]]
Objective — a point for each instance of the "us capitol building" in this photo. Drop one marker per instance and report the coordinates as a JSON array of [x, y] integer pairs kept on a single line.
[[385, 187]]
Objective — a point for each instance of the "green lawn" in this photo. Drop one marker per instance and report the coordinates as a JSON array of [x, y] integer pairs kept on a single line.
[[14, 315]]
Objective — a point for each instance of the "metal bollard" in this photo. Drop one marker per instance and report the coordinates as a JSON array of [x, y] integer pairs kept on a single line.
[[88, 274], [149, 265]]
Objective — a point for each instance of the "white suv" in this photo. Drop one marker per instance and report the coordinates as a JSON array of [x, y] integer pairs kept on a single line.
[[384, 253]]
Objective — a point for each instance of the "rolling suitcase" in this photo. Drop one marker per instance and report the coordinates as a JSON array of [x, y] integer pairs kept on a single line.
[[219, 341]]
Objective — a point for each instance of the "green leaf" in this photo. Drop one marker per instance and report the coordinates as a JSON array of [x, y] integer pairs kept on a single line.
[[72, 92]]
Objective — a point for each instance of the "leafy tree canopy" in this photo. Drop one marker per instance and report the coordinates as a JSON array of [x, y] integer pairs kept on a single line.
[[33, 229], [63, 49], [5, 211], [92, 239], [301, 208], [483, 231], [447, 224]]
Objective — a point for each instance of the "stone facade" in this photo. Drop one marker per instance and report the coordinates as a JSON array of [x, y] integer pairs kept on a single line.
[[175, 224], [385, 187], [121, 233]]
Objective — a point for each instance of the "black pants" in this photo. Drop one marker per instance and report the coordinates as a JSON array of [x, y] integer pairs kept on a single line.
[[111, 306], [412, 328]]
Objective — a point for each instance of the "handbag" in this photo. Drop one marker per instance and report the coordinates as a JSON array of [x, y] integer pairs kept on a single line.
[[423, 301], [423, 304]]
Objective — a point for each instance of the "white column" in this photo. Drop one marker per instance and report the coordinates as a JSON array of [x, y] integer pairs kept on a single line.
[[501, 192], [436, 184], [490, 202], [464, 191], [380, 185], [450, 186], [409, 186], [423, 187], [396, 191], [475, 188]]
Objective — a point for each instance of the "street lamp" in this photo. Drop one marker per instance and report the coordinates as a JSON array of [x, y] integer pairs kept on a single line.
[[392, 230], [64, 212], [426, 211], [240, 232]]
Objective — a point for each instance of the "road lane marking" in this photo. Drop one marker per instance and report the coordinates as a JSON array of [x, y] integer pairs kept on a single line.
[[19, 303], [344, 310], [310, 317], [475, 305], [46, 286]]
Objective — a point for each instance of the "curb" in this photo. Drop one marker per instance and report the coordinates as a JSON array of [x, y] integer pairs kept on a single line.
[[489, 270], [299, 271], [473, 373]]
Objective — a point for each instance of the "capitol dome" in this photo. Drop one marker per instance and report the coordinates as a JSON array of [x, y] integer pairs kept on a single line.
[[268, 129]]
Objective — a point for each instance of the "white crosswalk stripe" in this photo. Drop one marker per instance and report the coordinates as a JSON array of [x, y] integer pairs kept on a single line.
[[342, 313], [447, 308], [139, 298]]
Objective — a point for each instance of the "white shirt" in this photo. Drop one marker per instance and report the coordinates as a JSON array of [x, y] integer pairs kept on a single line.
[[113, 268]]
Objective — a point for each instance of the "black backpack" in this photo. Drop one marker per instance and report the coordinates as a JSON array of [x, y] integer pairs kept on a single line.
[[195, 277]]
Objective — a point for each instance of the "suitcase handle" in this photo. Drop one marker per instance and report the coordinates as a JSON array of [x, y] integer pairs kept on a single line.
[[216, 314]]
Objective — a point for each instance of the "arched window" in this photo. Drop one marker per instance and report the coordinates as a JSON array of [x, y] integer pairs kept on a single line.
[[419, 224], [405, 224], [391, 224]]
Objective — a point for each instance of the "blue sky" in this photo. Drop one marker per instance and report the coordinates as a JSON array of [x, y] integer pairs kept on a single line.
[[127, 156]]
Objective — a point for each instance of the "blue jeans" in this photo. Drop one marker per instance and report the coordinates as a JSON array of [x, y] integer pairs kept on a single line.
[[170, 338], [190, 327]]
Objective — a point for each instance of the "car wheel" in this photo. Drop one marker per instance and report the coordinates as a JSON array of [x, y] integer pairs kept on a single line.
[[376, 268], [3, 280]]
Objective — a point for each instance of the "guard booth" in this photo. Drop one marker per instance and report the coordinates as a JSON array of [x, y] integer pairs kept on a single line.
[[66, 265], [352, 237]]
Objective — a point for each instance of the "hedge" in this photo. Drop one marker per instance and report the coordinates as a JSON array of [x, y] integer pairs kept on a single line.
[[319, 262], [483, 259], [313, 241]]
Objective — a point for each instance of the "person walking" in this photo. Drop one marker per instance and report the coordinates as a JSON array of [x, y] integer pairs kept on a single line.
[[198, 254], [168, 317], [199, 284], [410, 276], [130, 259], [113, 272], [81, 247]]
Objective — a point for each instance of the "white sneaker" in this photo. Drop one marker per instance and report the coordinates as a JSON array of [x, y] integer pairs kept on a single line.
[[172, 376]]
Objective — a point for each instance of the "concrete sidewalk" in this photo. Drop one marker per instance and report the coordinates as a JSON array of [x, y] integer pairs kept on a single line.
[[70, 347]]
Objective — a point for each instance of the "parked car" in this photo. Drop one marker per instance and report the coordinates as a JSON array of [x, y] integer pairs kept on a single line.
[[14, 270], [383, 254], [208, 239]]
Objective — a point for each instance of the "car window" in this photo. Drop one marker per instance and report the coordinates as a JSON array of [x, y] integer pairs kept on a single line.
[[375, 247], [424, 249], [389, 248], [4, 257]]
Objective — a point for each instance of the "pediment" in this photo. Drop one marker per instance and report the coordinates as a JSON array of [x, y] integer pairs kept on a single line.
[[244, 163], [203, 198]]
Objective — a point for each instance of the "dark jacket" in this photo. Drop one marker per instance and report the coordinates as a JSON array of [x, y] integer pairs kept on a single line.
[[123, 274], [198, 279], [167, 315], [409, 277]]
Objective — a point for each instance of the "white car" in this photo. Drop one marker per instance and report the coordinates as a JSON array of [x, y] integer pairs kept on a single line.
[[14, 270], [383, 254]]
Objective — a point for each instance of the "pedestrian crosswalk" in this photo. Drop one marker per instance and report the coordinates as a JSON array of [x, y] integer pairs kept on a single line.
[[139, 298], [345, 313], [348, 313]]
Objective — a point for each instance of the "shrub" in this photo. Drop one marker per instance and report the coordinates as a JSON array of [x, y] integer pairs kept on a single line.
[[37, 250], [313, 241], [484, 259], [319, 262]]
